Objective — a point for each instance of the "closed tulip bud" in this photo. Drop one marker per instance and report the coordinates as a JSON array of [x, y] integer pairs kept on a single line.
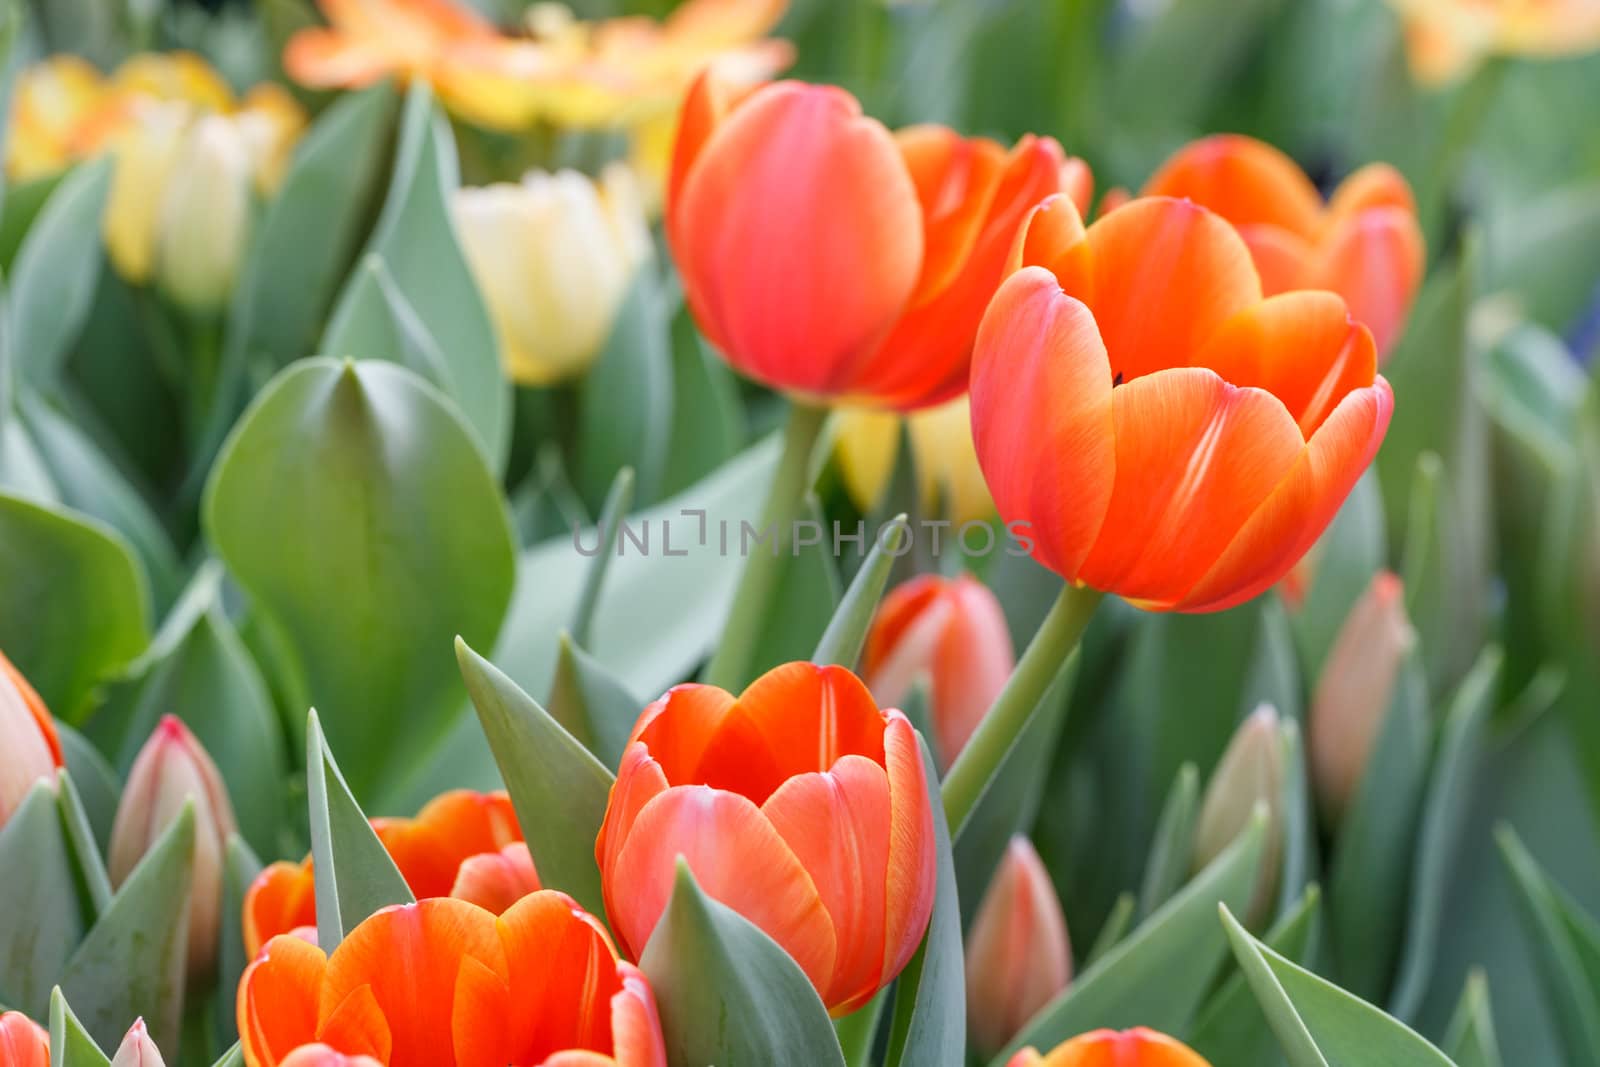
[[1249, 775], [554, 257], [1111, 1048], [950, 633], [323, 1056], [173, 769], [23, 1042], [137, 1050], [1353, 694], [145, 146], [1018, 956], [29, 747], [205, 215]]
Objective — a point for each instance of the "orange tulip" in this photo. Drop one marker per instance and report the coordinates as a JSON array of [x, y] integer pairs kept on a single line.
[[23, 1042], [951, 633], [1109, 1048], [1447, 39], [368, 40], [825, 256], [29, 747], [1364, 244], [462, 844], [1167, 434], [799, 804], [444, 983]]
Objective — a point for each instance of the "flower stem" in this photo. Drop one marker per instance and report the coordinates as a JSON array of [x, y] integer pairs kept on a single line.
[[1038, 669], [730, 665], [1462, 126]]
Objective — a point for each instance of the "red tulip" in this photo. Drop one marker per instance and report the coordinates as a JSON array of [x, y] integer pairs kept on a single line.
[[444, 983], [1018, 955], [29, 747], [1364, 244], [23, 1042], [798, 804], [1109, 1048], [1166, 433], [825, 256], [951, 633]]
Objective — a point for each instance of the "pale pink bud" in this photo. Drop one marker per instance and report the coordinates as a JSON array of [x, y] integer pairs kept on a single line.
[[497, 880], [1018, 955], [171, 769], [29, 748], [323, 1056], [1354, 692], [947, 633], [1249, 775], [137, 1050]]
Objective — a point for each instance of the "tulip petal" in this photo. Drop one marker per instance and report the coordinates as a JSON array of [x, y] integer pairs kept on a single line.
[[1195, 457], [1244, 180], [678, 727], [955, 178], [705, 106], [1290, 520], [911, 884], [496, 880], [837, 824], [1301, 347], [357, 1026], [1041, 386], [1375, 260], [975, 660], [1053, 237], [36, 706], [636, 1038], [1129, 1048], [282, 898], [562, 978], [1374, 185], [1282, 258], [798, 262], [323, 59], [277, 1000], [737, 858], [480, 1034], [639, 781]]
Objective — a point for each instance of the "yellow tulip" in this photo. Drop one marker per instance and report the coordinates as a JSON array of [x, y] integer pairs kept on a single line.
[[182, 76], [144, 150], [50, 102], [948, 475], [554, 257], [1447, 39]]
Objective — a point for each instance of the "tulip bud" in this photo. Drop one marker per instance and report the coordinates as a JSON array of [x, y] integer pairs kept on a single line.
[[1353, 694], [1018, 955], [145, 147], [1250, 774], [29, 748], [205, 215], [553, 257], [950, 633], [137, 1050], [170, 770], [323, 1056], [23, 1042]]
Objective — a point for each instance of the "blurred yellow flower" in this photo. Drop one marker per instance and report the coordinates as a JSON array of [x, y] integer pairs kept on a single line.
[[553, 256], [1447, 39], [948, 477], [50, 103]]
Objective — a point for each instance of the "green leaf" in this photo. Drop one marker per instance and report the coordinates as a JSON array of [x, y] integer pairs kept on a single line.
[[239, 868], [929, 1024], [1171, 857], [23, 202], [1317, 1023], [70, 1044], [592, 705], [41, 884], [1547, 253], [1442, 831], [727, 993], [618, 501], [559, 790], [131, 964], [1159, 976], [707, 419], [1343, 562], [416, 240], [846, 634], [374, 320], [53, 280], [355, 875], [97, 786], [1300, 861], [1118, 922], [808, 588], [325, 506], [1470, 1040], [94, 881], [73, 602], [625, 401]]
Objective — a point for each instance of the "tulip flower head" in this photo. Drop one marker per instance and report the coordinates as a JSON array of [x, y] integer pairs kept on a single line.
[[137, 1050], [171, 770], [29, 747], [1169, 435], [1018, 955], [23, 1042], [463, 844], [1365, 244], [949, 480], [1249, 775], [950, 633], [444, 983], [826, 257], [1110, 1048], [1447, 39], [554, 257], [205, 215], [799, 804], [1353, 693]]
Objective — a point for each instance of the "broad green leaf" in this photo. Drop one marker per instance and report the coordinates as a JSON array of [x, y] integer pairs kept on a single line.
[[1300, 860], [1317, 1023], [23, 202], [1441, 832], [94, 883], [416, 241], [73, 602], [1231, 1028], [1471, 1040], [374, 320], [325, 507], [558, 788], [619, 500], [1171, 857], [846, 634], [239, 869], [707, 419], [47, 913], [727, 993], [808, 589], [53, 281], [1118, 922], [131, 964], [355, 875], [928, 1027], [1160, 974], [625, 400], [70, 1044], [1547, 253], [97, 786], [592, 705]]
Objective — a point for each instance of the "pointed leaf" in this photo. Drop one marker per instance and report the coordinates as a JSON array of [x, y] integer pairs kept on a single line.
[[374, 320], [592, 704], [707, 418], [239, 869], [846, 634], [618, 501], [1471, 1040], [1173, 852], [809, 590], [46, 914], [70, 1044], [1342, 564], [97, 786], [1118, 922], [625, 401], [94, 881]]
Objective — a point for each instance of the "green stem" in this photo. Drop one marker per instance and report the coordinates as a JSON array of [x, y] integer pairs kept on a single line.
[[1038, 669], [1467, 113], [730, 664]]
